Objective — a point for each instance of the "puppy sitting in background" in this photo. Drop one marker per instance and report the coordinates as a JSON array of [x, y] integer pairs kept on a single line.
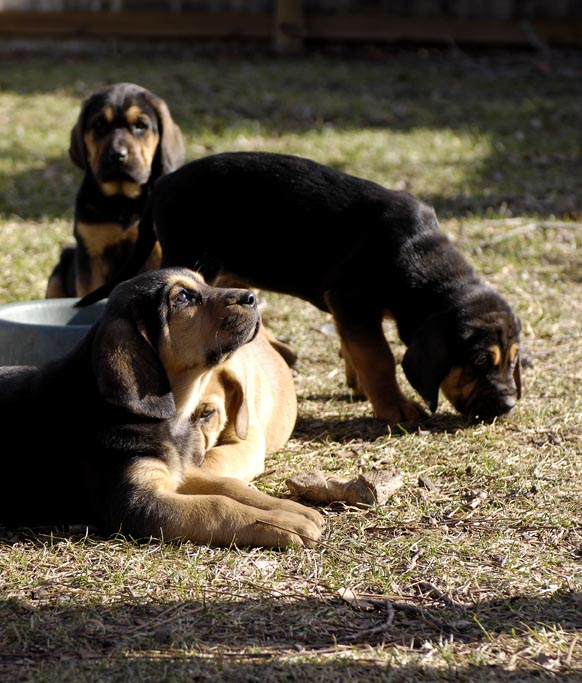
[[124, 140]]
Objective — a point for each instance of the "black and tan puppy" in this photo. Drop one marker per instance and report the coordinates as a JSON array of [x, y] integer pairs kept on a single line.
[[105, 435], [353, 248], [124, 140]]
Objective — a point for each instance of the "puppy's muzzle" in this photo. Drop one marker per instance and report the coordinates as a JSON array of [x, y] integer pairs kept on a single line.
[[118, 155], [248, 301], [121, 162], [240, 323], [490, 403], [242, 297]]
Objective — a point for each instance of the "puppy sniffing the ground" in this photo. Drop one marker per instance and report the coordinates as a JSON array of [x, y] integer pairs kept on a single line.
[[354, 249]]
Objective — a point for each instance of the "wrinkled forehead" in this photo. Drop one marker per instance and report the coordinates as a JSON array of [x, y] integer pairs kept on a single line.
[[495, 327], [183, 278], [497, 335], [152, 287], [145, 300], [115, 104]]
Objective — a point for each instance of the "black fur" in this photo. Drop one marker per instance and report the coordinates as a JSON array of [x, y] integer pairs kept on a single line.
[[348, 246], [77, 426]]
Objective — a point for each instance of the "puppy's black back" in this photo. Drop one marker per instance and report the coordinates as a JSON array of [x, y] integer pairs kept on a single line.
[[292, 225], [287, 223]]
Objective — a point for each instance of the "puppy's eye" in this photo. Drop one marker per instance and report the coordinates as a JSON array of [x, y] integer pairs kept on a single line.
[[100, 125], [185, 297], [206, 414], [140, 126], [482, 360]]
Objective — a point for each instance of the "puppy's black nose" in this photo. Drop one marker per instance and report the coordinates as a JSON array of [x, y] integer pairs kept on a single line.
[[119, 154], [491, 407], [247, 299]]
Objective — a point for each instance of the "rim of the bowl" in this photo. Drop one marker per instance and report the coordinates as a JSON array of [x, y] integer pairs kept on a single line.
[[46, 303]]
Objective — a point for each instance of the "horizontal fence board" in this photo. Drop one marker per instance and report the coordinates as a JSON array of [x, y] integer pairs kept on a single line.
[[361, 27], [134, 25], [439, 29]]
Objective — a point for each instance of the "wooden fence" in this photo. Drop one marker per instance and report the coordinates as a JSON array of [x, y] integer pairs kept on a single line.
[[291, 24]]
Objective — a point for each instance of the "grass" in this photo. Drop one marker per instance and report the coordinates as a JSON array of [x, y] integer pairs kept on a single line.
[[475, 580]]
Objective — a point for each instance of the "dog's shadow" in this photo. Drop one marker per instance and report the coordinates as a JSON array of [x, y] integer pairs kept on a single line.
[[370, 428]]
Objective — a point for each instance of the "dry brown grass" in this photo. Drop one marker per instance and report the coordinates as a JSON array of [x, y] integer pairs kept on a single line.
[[477, 580]]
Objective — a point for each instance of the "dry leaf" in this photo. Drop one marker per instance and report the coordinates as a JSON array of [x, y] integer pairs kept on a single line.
[[369, 488]]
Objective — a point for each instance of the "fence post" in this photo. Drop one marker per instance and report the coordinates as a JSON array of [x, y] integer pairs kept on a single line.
[[289, 26]]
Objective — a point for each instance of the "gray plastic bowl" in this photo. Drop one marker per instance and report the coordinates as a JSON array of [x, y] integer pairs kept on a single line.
[[34, 332]]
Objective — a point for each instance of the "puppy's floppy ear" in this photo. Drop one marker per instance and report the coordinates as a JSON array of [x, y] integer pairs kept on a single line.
[[171, 150], [237, 405], [517, 375], [428, 359], [129, 372], [77, 150]]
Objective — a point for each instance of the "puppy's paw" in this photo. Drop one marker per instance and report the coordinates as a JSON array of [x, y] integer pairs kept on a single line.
[[281, 529], [400, 411], [298, 509]]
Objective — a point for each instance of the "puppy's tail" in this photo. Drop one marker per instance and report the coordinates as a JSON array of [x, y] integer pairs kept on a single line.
[[146, 240]]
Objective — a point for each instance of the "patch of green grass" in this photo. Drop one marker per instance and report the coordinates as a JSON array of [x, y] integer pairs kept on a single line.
[[484, 570]]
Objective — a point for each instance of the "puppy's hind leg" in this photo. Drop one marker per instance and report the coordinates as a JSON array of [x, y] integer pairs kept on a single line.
[[351, 374]]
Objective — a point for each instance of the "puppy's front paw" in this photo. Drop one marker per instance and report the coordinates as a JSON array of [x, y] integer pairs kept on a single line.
[[278, 528], [312, 515], [291, 507], [403, 410]]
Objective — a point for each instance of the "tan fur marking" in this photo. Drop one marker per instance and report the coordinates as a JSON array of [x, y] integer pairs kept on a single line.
[[148, 148], [457, 386], [130, 190], [513, 351], [92, 148], [496, 356], [184, 361], [133, 113], [97, 238], [108, 113], [371, 370], [126, 187], [153, 474], [150, 140], [155, 258]]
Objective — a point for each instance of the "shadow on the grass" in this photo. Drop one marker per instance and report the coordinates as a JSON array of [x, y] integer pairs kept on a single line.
[[227, 633], [370, 428], [516, 101]]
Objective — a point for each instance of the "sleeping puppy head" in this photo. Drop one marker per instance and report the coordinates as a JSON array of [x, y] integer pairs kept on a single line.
[[160, 335], [471, 353], [225, 401], [125, 137]]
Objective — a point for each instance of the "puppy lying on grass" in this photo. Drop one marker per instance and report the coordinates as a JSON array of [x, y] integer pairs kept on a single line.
[[105, 435]]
